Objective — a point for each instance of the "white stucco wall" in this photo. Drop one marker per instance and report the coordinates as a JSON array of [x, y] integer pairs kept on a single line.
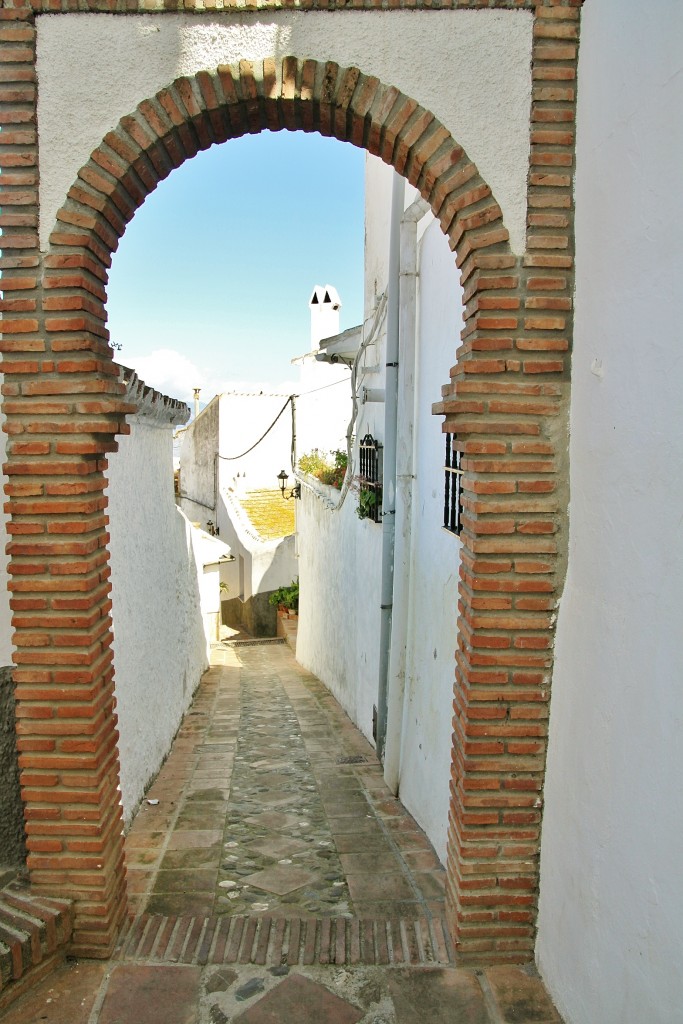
[[432, 624], [339, 602], [610, 943], [160, 649], [268, 564], [340, 556], [198, 483], [322, 408], [472, 69], [244, 418]]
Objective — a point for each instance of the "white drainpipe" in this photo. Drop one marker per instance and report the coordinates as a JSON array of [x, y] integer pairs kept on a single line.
[[389, 479], [405, 460]]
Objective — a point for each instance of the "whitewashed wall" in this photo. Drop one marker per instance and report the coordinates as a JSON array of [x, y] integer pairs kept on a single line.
[[198, 480], [339, 604], [268, 564], [244, 418], [435, 558], [610, 943], [472, 69], [322, 416], [340, 556], [160, 649], [229, 425]]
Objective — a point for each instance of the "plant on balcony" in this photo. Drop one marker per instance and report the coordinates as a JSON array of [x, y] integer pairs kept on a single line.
[[367, 503], [328, 468]]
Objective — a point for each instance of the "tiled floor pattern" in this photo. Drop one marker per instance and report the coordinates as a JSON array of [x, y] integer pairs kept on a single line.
[[101, 993], [260, 809], [256, 782]]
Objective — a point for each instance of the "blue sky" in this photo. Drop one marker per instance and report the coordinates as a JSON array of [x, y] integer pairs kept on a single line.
[[211, 282]]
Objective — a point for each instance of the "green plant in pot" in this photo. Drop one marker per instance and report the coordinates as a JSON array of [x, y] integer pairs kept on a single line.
[[286, 597]]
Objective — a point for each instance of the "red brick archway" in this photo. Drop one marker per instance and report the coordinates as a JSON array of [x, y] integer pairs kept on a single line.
[[505, 401]]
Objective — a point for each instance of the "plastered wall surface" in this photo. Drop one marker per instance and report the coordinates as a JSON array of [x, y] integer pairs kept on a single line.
[[610, 942], [244, 418], [470, 68], [160, 649], [340, 557], [321, 416], [267, 564], [435, 556], [339, 613], [197, 465]]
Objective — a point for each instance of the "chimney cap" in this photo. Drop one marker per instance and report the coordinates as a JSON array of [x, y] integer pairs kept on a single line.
[[325, 296]]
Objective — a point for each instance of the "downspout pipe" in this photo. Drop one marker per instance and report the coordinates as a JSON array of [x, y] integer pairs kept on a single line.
[[389, 481], [405, 477]]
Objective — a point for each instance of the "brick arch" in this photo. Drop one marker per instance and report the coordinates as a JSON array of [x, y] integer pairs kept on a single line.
[[64, 409], [212, 107]]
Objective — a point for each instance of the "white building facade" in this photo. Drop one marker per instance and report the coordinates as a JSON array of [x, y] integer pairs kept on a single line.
[[341, 556], [224, 458]]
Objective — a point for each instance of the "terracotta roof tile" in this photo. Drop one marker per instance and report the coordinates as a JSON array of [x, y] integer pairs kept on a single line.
[[269, 513]]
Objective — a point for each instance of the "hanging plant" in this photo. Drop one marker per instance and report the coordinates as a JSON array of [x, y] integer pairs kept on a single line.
[[367, 503]]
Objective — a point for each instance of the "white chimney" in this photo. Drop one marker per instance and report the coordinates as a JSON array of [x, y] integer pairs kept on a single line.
[[324, 306]]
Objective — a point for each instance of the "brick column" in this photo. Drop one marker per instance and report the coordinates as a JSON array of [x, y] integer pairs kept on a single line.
[[508, 406], [66, 725]]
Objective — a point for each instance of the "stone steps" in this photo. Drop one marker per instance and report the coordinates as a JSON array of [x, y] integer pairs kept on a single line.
[[35, 932], [287, 627]]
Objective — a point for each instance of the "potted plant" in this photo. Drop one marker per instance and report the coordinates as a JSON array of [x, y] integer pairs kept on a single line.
[[286, 599], [329, 470]]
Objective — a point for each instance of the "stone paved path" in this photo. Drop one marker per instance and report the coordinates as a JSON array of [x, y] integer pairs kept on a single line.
[[271, 802], [275, 880]]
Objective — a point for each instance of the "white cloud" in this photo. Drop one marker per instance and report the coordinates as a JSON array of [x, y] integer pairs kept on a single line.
[[168, 371], [175, 375]]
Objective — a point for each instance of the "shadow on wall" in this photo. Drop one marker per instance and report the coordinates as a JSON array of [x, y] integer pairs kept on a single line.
[[12, 838], [255, 616]]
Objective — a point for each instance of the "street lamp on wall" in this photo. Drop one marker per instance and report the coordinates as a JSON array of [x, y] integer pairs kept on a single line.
[[296, 489]]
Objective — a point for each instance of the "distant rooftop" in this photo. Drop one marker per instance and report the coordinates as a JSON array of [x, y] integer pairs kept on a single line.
[[269, 513]]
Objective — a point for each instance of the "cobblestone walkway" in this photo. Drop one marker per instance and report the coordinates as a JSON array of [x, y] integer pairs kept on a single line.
[[275, 880], [271, 802]]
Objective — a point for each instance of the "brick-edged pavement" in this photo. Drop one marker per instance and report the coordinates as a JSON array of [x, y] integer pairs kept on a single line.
[[275, 880]]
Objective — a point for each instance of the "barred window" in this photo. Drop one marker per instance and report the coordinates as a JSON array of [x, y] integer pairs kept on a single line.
[[370, 479], [452, 503]]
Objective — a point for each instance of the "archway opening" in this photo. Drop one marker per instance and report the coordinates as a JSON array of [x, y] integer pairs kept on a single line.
[[143, 149], [340, 607]]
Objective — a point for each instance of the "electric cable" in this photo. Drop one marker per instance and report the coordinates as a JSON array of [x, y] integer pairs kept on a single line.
[[344, 380], [234, 458]]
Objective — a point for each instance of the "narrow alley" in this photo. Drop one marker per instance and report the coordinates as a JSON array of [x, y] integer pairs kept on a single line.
[[274, 879]]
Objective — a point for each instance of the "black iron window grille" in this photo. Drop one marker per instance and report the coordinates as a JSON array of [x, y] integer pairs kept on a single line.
[[452, 502], [370, 479]]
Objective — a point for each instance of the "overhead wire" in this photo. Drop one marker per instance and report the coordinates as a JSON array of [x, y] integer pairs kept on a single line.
[[348, 476], [233, 458]]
